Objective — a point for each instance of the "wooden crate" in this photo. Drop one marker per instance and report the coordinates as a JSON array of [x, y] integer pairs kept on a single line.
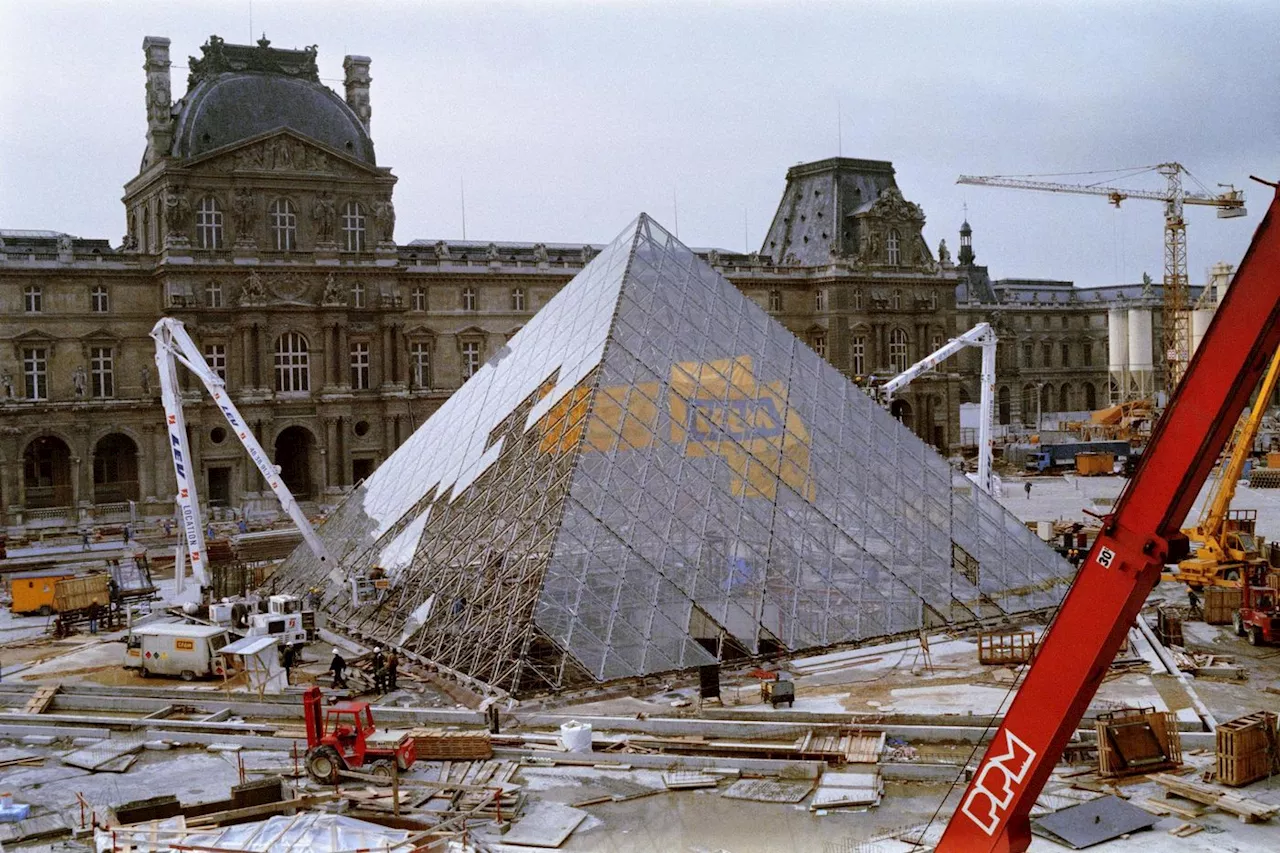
[[1000, 648], [1220, 604], [451, 744], [1116, 732], [1247, 749]]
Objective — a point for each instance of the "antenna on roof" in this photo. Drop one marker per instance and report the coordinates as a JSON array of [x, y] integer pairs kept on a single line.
[[839, 130]]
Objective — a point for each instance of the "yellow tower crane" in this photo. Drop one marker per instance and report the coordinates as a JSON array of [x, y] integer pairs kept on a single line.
[[1230, 203]]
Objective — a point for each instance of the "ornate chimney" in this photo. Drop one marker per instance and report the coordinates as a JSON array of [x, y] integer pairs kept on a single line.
[[159, 99], [357, 81]]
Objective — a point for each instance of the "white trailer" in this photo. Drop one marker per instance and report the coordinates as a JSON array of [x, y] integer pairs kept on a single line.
[[187, 651]]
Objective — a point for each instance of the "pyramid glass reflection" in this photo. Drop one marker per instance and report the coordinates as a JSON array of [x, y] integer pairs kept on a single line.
[[654, 474]]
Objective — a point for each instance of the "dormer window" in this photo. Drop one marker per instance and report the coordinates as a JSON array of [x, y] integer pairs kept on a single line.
[[893, 245]]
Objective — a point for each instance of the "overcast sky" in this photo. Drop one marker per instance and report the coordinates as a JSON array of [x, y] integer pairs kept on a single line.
[[565, 119]]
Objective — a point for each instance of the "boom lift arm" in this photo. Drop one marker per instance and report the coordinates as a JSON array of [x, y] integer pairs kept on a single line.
[[1212, 526], [1124, 565], [174, 346], [981, 335]]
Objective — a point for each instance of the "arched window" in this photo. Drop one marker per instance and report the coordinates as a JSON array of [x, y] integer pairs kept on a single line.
[[893, 244], [897, 350], [353, 227], [284, 225], [1046, 397], [146, 229], [1090, 396], [1066, 400], [293, 371], [1029, 404], [1004, 404], [895, 301], [209, 223]]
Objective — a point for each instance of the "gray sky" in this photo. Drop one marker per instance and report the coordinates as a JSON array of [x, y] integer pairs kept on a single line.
[[565, 119]]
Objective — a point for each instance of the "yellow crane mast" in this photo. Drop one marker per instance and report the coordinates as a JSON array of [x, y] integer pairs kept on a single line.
[[1225, 541]]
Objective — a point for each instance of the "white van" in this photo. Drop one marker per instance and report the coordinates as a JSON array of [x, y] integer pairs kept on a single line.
[[188, 651]]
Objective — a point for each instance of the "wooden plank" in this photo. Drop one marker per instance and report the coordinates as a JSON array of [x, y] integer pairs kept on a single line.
[[303, 802]]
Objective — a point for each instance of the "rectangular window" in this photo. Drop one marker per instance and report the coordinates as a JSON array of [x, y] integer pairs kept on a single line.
[[517, 299], [470, 359], [102, 372], [1046, 353], [858, 355], [1026, 355], [215, 355], [357, 295], [99, 300], [32, 300], [209, 224], [936, 343], [35, 373], [1066, 355], [419, 299], [213, 294], [857, 299], [420, 364], [775, 300], [820, 299], [359, 366], [820, 345], [468, 299], [1088, 353]]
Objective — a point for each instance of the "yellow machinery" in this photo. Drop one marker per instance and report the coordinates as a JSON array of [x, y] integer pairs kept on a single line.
[[1224, 540]]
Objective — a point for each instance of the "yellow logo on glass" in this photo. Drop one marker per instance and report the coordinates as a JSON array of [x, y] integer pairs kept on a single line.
[[717, 406]]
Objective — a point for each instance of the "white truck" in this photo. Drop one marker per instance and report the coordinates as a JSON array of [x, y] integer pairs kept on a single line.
[[187, 651]]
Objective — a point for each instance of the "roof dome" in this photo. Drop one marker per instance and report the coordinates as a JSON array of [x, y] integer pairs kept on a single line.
[[226, 108]]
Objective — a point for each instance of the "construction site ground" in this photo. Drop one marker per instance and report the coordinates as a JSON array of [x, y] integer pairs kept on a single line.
[[196, 740]]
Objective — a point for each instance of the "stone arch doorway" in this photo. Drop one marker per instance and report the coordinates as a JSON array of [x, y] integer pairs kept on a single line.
[[295, 450], [115, 469], [901, 410], [46, 473]]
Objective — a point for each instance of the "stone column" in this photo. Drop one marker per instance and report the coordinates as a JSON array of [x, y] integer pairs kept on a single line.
[[159, 98], [262, 352], [344, 346], [357, 80], [386, 370]]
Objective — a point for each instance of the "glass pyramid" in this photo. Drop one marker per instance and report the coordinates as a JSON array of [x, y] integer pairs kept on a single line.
[[654, 474]]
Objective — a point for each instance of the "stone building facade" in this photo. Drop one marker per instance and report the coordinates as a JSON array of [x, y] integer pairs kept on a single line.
[[271, 234]]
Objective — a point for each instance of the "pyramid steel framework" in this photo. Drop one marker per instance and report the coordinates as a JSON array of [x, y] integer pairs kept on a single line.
[[651, 475]]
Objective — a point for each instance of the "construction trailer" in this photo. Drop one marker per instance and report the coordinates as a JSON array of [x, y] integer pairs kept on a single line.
[[33, 592], [187, 651]]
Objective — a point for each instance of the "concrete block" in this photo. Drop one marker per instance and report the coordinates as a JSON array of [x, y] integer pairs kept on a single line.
[[38, 740], [85, 741], [157, 745], [224, 747]]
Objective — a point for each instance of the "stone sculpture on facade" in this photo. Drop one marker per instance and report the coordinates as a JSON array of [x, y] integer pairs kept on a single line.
[[177, 213], [242, 206], [384, 216], [442, 249], [322, 212], [540, 252], [254, 291], [333, 292], [79, 379]]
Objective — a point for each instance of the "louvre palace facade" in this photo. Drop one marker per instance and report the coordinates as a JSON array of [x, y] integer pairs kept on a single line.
[[261, 218]]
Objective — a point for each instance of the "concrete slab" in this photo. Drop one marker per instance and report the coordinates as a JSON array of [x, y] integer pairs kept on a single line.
[[545, 824]]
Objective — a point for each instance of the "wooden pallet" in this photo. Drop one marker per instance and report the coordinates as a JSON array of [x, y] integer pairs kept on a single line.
[[1247, 809], [41, 700], [1137, 740], [451, 744], [1247, 749]]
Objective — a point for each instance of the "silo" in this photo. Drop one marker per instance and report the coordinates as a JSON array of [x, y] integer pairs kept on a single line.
[[1200, 319], [1118, 352], [1141, 365]]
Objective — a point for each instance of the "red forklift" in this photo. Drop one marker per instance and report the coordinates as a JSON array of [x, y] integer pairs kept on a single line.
[[346, 739], [1259, 615]]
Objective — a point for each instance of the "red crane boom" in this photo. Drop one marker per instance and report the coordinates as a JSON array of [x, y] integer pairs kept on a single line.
[[1137, 539]]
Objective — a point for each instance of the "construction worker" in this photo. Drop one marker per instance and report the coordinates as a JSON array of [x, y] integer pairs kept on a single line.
[[393, 664], [1193, 600], [379, 671], [94, 610], [288, 656], [1027, 486], [337, 666]]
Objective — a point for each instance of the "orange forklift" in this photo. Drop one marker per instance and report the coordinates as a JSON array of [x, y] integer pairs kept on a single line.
[[1259, 615], [346, 739]]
